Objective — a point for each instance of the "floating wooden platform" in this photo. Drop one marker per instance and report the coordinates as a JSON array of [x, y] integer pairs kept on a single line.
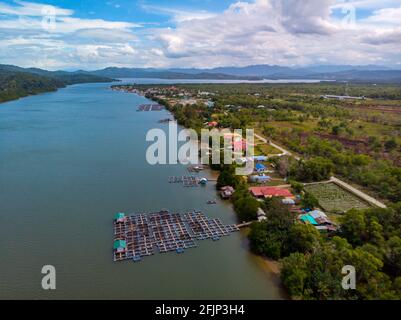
[[150, 107], [145, 233], [187, 181]]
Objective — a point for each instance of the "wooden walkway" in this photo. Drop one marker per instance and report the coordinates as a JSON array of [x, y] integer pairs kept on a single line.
[[244, 225]]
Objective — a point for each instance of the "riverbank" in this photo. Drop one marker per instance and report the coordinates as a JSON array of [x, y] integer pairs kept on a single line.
[[271, 267]]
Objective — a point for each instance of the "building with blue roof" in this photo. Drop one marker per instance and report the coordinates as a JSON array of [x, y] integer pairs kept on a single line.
[[306, 218], [260, 167]]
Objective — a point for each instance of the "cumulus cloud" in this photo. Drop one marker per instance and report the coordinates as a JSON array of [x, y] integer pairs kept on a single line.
[[312, 17], [366, 4], [383, 38], [27, 39], [387, 16], [24, 8], [284, 32]]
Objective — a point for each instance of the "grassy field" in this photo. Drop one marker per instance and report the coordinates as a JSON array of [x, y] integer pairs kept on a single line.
[[333, 198], [266, 149]]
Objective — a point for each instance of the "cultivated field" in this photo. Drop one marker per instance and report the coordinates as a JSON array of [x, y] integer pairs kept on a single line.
[[335, 199]]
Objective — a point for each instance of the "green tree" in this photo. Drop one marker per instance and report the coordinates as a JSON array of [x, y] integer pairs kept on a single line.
[[303, 238], [295, 274], [314, 169], [393, 256], [271, 237], [297, 187], [353, 226], [309, 201], [245, 205]]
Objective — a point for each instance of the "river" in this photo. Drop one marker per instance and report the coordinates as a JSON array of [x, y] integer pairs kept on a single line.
[[68, 161]]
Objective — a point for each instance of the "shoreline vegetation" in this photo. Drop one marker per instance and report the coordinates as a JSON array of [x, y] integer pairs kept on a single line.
[[298, 116], [16, 83]]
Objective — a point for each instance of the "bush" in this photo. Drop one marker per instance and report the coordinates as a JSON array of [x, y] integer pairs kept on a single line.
[[245, 205], [314, 169]]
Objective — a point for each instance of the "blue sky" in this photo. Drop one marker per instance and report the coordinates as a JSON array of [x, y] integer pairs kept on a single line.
[[91, 34]]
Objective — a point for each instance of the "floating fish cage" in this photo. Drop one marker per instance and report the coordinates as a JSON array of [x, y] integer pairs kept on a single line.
[[140, 235], [150, 107], [186, 181]]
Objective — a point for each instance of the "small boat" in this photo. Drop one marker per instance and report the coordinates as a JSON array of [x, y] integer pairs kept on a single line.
[[179, 250], [203, 181], [215, 238], [212, 202], [136, 258]]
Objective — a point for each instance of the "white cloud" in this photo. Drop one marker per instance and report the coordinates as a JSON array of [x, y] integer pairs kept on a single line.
[[387, 16], [366, 4], [72, 42], [299, 17], [285, 32], [384, 37], [24, 8], [278, 32], [179, 15]]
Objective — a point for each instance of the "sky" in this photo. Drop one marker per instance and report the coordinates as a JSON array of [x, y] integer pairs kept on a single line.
[[94, 34]]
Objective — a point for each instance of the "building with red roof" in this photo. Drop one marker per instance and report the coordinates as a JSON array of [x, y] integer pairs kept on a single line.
[[269, 192], [213, 124]]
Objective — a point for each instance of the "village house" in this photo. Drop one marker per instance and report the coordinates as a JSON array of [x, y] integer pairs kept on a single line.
[[260, 158], [226, 192], [319, 220], [269, 192], [260, 168], [212, 124], [259, 179]]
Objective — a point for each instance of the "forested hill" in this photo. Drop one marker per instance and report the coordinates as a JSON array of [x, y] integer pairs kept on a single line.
[[18, 82], [17, 85]]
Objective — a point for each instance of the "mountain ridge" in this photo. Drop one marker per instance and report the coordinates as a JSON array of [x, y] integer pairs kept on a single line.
[[17, 82], [361, 73], [368, 73]]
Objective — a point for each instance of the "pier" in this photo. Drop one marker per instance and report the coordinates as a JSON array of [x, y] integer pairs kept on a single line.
[[140, 235], [244, 225]]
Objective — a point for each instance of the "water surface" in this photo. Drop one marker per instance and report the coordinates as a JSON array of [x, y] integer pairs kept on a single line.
[[68, 161]]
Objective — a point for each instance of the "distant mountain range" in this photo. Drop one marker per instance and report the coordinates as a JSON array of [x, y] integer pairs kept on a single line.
[[17, 82], [369, 73], [114, 72], [63, 76]]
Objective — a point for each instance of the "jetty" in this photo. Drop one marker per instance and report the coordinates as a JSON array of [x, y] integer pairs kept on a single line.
[[244, 225], [143, 234]]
